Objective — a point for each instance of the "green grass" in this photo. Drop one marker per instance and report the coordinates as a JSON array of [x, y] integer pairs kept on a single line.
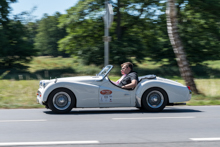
[[22, 93], [46, 67], [47, 62], [69, 65], [18, 94], [213, 64], [15, 93], [198, 100]]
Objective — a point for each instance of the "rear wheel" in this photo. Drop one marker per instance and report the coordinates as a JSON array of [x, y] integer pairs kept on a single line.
[[154, 100], [61, 100]]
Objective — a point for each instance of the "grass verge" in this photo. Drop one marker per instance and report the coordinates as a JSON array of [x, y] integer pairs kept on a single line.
[[22, 93], [44, 67], [18, 94]]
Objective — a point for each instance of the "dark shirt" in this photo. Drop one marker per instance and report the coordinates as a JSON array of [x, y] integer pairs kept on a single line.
[[128, 78]]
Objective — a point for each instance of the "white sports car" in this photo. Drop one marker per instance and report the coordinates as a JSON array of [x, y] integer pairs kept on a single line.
[[151, 94]]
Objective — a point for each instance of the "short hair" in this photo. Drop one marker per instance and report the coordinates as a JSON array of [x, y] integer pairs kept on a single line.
[[128, 64]]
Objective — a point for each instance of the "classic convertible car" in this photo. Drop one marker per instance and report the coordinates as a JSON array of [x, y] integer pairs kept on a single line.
[[151, 94]]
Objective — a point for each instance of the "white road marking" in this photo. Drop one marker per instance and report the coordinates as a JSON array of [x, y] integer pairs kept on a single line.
[[154, 118], [205, 139], [22, 120], [48, 143]]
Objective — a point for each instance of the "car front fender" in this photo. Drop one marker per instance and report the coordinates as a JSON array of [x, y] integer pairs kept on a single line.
[[86, 94]]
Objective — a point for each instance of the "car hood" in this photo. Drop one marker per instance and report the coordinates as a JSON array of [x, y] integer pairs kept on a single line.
[[84, 79], [80, 79]]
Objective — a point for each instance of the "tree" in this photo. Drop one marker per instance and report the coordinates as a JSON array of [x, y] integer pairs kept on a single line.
[[28, 20], [198, 28], [48, 34], [85, 30], [4, 11], [14, 44], [178, 48], [15, 47]]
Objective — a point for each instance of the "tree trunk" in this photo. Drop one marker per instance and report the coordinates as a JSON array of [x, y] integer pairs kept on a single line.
[[177, 45]]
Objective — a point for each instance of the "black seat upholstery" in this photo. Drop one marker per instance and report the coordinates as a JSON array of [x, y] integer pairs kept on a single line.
[[147, 77]]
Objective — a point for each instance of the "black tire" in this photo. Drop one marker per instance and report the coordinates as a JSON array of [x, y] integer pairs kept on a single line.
[[154, 100], [61, 100]]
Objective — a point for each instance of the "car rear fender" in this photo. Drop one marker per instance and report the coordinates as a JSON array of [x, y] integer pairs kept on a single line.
[[175, 92]]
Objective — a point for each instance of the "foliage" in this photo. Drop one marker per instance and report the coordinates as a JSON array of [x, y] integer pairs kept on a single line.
[[85, 29], [198, 28], [14, 44], [48, 35], [139, 30], [4, 74], [4, 11], [158, 44], [28, 19], [32, 31]]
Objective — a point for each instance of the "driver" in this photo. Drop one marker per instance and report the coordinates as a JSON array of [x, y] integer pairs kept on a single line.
[[130, 79]]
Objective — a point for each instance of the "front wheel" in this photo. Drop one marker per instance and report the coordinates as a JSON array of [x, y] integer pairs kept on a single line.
[[154, 100], [61, 100]]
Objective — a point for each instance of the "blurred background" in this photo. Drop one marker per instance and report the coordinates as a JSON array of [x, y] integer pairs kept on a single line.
[[60, 38]]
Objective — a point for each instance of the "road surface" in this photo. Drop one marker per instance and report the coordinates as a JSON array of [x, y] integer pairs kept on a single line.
[[108, 127]]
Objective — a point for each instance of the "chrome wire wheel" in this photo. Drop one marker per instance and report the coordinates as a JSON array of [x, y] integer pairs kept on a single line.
[[61, 100], [155, 99]]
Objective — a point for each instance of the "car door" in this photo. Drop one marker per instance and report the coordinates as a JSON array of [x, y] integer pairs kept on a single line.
[[113, 96]]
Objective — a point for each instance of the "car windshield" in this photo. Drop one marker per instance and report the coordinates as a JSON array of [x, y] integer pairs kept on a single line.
[[105, 70]]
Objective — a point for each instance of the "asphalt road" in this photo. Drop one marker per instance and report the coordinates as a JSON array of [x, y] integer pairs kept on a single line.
[[125, 127]]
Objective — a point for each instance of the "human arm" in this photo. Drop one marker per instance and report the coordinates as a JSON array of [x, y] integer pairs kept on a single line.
[[131, 85]]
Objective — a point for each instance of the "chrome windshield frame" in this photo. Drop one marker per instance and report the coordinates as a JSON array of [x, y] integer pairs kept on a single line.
[[105, 71]]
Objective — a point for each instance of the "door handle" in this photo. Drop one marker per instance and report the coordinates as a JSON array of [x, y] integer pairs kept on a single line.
[[126, 94]]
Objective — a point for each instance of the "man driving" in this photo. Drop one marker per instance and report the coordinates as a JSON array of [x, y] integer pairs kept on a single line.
[[130, 79]]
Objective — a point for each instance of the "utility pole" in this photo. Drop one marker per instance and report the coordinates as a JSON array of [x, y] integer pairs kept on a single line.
[[106, 36], [108, 19]]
